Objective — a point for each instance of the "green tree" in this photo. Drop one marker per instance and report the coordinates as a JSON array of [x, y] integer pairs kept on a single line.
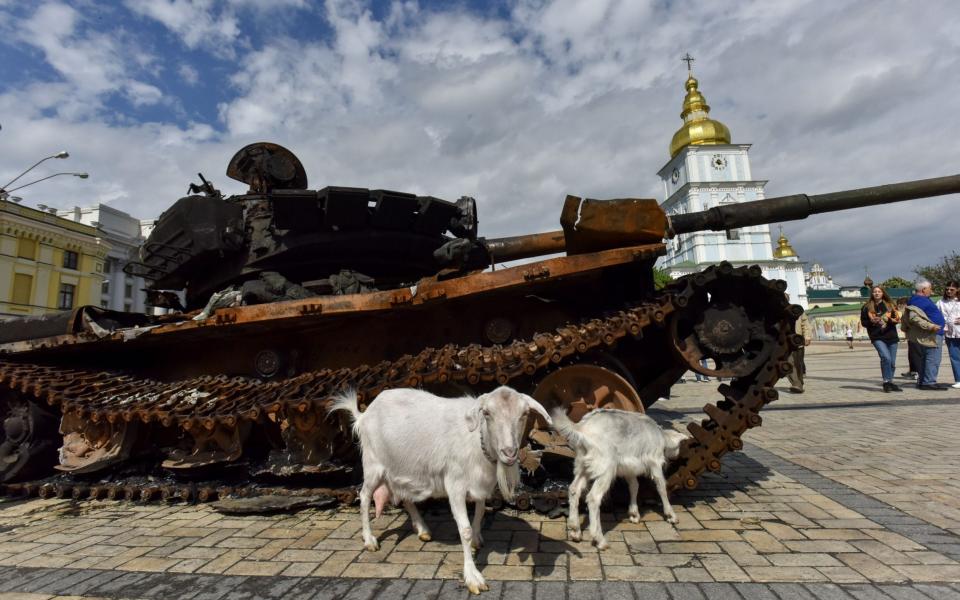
[[948, 269], [897, 282], [661, 278]]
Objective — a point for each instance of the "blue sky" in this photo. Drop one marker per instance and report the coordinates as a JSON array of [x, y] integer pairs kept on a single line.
[[515, 103]]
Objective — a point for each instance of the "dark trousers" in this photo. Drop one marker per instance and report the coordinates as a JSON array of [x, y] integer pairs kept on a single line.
[[915, 356]]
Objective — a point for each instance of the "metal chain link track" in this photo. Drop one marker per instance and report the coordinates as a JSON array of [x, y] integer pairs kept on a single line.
[[211, 400]]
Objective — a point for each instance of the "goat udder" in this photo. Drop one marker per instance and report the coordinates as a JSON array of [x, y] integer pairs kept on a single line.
[[381, 496]]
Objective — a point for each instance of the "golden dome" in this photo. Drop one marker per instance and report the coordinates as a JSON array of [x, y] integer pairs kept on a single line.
[[698, 129], [783, 249]]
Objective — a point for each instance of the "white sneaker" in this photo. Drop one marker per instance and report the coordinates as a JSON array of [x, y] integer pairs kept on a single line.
[[956, 386]]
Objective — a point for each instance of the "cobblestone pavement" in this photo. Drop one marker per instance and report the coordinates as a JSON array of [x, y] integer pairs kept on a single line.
[[845, 492]]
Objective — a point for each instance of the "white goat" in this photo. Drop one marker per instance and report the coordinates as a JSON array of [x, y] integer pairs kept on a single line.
[[416, 446], [615, 443]]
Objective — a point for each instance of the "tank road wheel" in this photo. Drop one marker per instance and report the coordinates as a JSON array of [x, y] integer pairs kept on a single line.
[[728, 315], [578, 388], [28, 439], [90, 446]]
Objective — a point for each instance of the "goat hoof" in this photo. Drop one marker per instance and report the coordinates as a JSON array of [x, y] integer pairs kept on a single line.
[[425, 537], [673, 519], [634, 518], [474, 588], [602, 545], [372, 547], [574, 536]]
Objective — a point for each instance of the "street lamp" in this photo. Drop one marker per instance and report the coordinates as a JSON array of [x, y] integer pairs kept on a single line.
[[61, 154], [20, 187]]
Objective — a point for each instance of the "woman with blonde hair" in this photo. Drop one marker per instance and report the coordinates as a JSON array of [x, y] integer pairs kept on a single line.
[[949, 305], [880, 317]]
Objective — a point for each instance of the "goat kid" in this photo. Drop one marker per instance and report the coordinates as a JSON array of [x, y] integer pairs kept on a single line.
[[416, 446], [615, 443]]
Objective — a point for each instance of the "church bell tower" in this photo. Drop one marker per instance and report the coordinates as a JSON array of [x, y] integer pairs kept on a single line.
[[706, 170]]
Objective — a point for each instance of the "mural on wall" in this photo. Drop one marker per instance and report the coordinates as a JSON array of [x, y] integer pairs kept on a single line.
[[833, 327]]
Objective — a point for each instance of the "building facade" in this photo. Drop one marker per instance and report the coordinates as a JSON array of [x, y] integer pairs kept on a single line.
[[819, 279], [706, 170], [47, 263], [124, 234]]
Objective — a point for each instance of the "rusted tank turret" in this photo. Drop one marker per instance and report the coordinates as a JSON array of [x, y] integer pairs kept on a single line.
[[292, 295]]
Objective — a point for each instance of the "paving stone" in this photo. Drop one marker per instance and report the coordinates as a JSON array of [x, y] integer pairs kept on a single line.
[[651, 591], [518, 590], [938, 592], [101, 577], [328, 589], [638, 574], [755, 591], [395, 589], [792, 591], [720, 591], [364, 590], [902, 592], [583, 590], [842, 575], [424, 590], [685, 591], [827, 591], [550, 590], [871, 568]]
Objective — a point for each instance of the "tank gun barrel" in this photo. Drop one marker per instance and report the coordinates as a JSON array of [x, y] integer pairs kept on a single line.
[[801, 206]]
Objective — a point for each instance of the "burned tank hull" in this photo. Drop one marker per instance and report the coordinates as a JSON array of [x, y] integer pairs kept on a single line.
[[239, 393]]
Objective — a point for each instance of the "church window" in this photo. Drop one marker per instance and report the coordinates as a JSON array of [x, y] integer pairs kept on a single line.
[[65, 297], [70, 259]]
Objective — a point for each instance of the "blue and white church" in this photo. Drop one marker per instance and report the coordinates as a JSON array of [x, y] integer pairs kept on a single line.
[[706, 170]]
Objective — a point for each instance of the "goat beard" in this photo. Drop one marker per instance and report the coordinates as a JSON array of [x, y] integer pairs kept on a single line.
[[508, 477]]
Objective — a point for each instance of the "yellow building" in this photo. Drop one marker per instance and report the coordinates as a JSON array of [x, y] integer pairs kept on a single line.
[[47, 263]]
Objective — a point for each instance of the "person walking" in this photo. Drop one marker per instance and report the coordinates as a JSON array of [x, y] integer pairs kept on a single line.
[[880, 317], [926, 328], [949, 305], [849, 333], [914, 353], [701, 376], [795, 358]]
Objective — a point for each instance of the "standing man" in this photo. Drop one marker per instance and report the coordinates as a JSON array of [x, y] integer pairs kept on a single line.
[[795, 359], [926, 329]]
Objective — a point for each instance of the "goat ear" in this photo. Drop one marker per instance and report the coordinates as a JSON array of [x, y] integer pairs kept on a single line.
[[473, 416], [532, 404]]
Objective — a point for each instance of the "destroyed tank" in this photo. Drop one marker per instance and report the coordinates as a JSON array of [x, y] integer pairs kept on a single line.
[[284, 296]]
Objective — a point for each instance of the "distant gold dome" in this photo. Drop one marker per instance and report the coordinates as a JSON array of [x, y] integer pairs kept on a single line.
[[783, 249], [698, 129]]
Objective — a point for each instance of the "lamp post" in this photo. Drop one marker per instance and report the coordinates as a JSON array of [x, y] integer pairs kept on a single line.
[[20, 187], [61, 154]]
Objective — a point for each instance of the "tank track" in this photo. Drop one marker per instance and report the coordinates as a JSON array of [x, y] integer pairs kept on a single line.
[[208, 401]]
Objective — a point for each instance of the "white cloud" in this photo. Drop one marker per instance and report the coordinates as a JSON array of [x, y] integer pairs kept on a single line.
[[197, 22], [188, 74], [94, 65]]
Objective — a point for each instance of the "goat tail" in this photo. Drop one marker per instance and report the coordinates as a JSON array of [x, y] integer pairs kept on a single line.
[[568, 429], [347, 401]]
